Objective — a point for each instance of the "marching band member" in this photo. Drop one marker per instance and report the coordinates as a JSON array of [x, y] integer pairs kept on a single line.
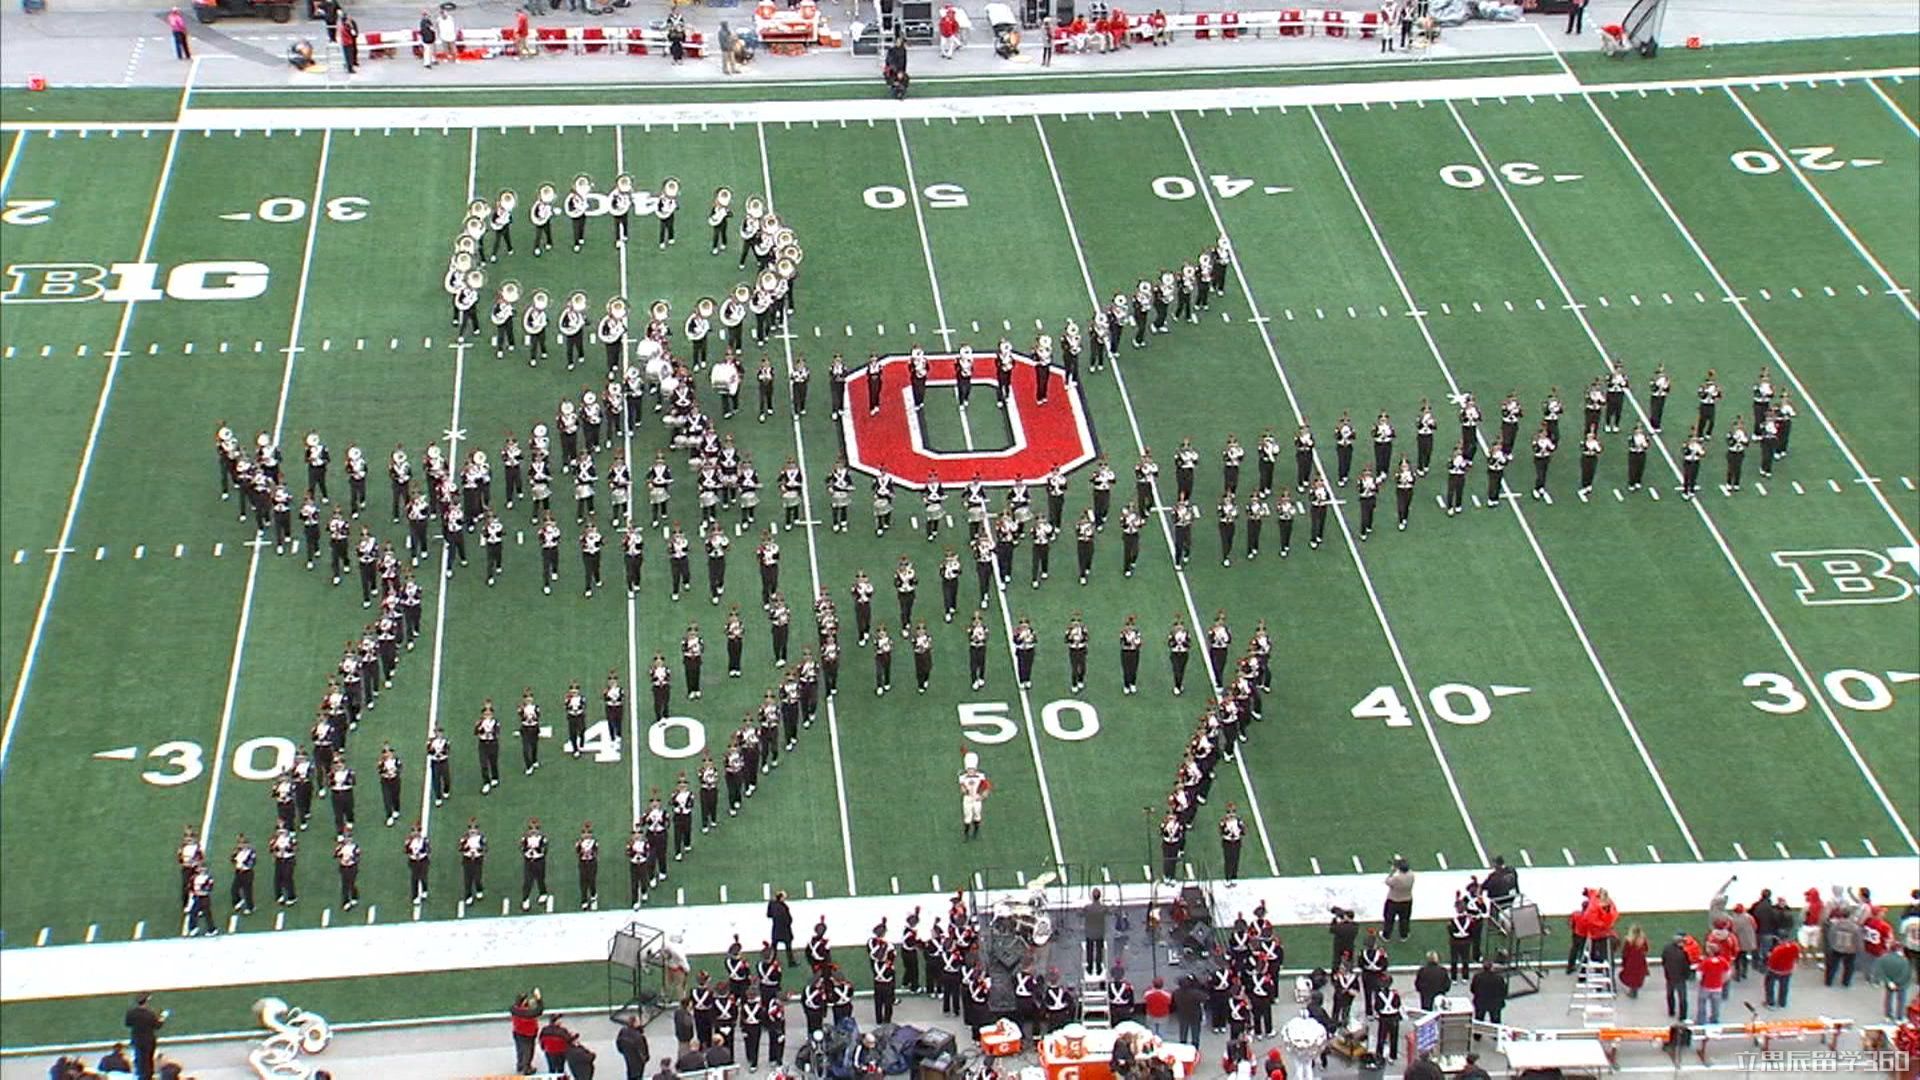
[[974, 789], [733, 315], [750, 228], [698, 324], [620, 207], [534, 323], [466, 301], [541, 215], [665, 207], [500, 222], [717, 218], [575, 207], [503, 318], [573, 326], [612, 333]]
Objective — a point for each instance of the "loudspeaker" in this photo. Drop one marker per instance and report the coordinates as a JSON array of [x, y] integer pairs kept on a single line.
[[1524, 921]]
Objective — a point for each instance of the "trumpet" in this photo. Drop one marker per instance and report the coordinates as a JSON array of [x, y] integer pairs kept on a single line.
[[705, 307], [508, 200], [478, 208], [659, 310], [583, 184], [756, 206], [510, 291], [670, 187]]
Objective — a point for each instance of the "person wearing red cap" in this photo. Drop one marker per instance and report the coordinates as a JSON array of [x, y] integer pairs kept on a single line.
[[1714, 969], [1781, 960]]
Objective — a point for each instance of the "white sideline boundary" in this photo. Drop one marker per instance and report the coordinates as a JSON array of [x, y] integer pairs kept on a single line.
[[400, 948], [1145, 102]]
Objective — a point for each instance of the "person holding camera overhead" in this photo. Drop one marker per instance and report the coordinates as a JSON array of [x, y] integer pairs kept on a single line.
[[1399, 906]]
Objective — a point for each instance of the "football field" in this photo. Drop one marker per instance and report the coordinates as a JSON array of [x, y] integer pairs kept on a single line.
[[1618, 677]]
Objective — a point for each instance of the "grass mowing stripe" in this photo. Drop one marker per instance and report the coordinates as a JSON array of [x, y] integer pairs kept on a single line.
[[1894, 108], [1792, 165], [813, 551], [446, 555], [1813, 689], [1366, 579], [1746, 316], [258, 544], [1553, 579], [1139, 442], [1000, 587], [61, 545]]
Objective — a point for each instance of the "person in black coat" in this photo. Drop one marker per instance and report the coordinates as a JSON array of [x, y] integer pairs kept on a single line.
[[143, 1030], [1489, 991], [579, 1059], [683, 1025], [1189, 1005], [781, 916], [1678, 967], [631, 1043], [1431, 981]]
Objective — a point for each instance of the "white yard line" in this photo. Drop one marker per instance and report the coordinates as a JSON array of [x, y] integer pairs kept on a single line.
[[632, 735], [1519, 514], [1000, 589], [1792, 166], [217, 765], [1807, 679], [1166, 530], [813, 557], [1894, 107], [444, 586], [63, 545], [1353, 548], [13, 160]]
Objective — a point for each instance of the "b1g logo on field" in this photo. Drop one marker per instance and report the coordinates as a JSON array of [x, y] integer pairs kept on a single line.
[[1045, 435], [1846, 576], [70, 283]]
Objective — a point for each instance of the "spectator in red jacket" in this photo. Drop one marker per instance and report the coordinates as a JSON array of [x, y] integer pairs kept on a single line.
[[526, 1028], [949, 32], [1158, 1004], [554, 1041], [1714, 968], [1633, 960], [1157, 22], [1781, 960]]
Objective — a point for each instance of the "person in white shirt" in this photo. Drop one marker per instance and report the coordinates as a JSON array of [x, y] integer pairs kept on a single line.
[[974, 788]]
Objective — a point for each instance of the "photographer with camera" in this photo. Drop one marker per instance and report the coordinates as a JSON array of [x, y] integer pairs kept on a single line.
[[525, 1016]]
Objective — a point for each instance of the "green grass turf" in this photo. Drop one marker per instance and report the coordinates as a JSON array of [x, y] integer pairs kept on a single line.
[[1623, 599]]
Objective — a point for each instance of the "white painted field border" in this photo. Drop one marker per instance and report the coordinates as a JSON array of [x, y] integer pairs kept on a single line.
[[13, 160], [400, 947], [1779, 361], [1894, 107], [1000, 589], [217, 766], [63, 545], [1792, 165], [1166, 531], [443, 586], [813, 557], [1519, 514], [1353, 548], [1813, 688]]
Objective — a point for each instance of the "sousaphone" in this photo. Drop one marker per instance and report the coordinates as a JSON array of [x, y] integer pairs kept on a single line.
[[475, 228], [617, 308], [756, 206], [479, 208], [476, 280], [583, 185], [623, 184], [508, 200], [722, 199], [785, 267], [783, 238], [670, 188], [539, 300], [510, 291], [547, 194], [659, 310], [742, 293], [704, 307], [769, 281], [791, 254], [466, 245], [578, 303]]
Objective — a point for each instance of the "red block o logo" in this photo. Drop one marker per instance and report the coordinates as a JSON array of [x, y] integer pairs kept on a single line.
[[1046, 435]]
